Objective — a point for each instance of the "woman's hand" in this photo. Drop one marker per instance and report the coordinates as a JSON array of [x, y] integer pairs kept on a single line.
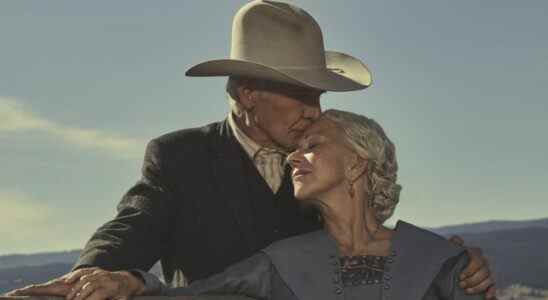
[[101, 285]]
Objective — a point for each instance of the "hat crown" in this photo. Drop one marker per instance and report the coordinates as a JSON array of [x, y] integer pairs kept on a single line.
[[280, 42], [277, 34]]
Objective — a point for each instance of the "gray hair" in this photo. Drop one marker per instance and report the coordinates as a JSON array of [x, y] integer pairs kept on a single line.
[[234, 82], [232, 85], [371, 143]]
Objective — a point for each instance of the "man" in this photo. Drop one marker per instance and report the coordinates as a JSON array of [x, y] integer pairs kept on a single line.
[[214, 195]]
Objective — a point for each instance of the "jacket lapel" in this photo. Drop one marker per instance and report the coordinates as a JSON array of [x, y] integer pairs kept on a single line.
[[228, 173]]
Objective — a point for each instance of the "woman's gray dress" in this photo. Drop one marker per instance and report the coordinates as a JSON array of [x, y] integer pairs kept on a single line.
[[422, 265]]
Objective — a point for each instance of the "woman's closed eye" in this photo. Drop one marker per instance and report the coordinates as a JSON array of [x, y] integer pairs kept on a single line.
[[313, 143], [311, 146]]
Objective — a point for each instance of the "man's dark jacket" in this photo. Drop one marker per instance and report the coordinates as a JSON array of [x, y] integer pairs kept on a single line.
[[200, 206]]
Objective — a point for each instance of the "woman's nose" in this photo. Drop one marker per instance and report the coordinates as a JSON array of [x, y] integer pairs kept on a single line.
[[294, 158]]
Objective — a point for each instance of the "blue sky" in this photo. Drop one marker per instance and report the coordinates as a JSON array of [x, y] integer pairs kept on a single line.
[[459, 86]]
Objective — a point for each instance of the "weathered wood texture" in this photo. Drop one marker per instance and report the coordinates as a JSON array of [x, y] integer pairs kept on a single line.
[[141, 298]]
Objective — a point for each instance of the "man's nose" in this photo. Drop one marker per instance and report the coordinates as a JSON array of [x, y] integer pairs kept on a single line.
[[294, 158]]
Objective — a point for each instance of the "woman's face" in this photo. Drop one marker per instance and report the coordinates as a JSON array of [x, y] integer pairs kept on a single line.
[[320, 161]]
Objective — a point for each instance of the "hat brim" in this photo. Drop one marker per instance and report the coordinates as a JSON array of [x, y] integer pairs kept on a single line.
[[343, 72]]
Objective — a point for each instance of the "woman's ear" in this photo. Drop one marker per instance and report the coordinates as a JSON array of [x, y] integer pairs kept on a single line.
[[356, 167]]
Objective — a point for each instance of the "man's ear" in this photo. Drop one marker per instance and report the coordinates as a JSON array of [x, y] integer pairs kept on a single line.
[[247, 96]]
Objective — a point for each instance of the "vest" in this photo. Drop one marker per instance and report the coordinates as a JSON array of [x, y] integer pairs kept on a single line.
[[275, 216]]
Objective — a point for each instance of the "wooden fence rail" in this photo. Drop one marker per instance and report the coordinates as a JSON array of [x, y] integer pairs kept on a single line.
[[141, 298]]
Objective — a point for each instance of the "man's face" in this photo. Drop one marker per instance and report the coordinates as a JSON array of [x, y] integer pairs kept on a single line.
[[284, 115]]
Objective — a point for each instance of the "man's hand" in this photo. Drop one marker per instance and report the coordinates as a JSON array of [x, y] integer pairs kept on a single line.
[[476, 277], [86, 283], [100, 285], [56, 287]]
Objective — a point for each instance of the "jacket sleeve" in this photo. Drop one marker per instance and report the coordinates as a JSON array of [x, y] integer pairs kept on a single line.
[[138, 236], [446, 284], [251, 277]]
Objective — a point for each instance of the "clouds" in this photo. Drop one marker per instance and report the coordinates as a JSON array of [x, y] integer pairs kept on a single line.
[[22, 219], [30, 223], [48, 199], [21, 209], [14, 117]]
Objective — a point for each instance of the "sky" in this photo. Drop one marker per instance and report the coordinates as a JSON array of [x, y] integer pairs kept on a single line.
[[459, 86]]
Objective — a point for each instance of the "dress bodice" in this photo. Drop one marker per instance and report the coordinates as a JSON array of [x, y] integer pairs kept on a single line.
[[421, 266]]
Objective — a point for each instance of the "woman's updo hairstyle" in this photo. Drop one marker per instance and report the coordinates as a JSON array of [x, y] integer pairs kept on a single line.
[[371, 143]]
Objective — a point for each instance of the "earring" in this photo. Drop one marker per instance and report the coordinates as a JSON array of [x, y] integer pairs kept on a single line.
[[351, 189], [371, 201]]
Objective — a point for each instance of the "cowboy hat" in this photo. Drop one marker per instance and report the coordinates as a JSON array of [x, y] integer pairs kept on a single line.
[[281, 42]]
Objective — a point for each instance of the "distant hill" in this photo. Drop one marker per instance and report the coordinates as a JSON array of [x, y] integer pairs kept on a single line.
[[13, 278], [516, 255], [489, 226], [38, 259], [517, 250]]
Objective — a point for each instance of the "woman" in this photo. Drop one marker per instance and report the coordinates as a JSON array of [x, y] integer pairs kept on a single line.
[[346, 167]]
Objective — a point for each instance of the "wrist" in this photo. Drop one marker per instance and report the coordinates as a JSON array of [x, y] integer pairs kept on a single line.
[[136, 285]]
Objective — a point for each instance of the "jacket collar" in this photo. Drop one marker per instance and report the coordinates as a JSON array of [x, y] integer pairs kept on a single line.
[[310, 263]]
